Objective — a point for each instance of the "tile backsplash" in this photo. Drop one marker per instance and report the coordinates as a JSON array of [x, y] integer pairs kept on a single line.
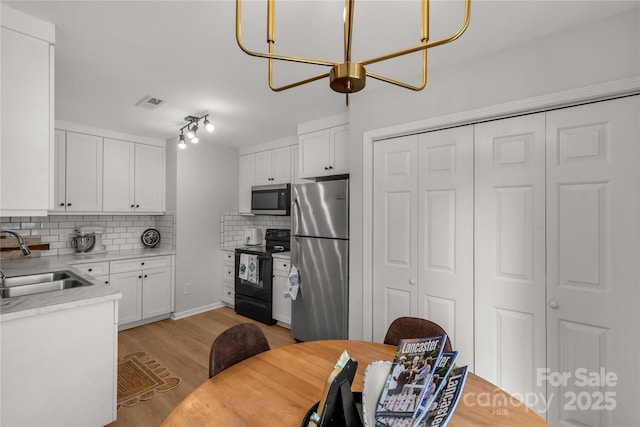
[[122, 232], [232, 226]]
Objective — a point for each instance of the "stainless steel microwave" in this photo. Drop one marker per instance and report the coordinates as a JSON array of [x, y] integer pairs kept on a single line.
[[271, 199]]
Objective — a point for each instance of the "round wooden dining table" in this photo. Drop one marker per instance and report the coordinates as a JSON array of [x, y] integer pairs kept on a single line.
[[277, 388]]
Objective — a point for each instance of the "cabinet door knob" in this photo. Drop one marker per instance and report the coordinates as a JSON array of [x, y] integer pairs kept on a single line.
[[412, 282], [68, 204], [137, 206], [145, 276], [142, 263], [61, 204], [140, 276], [326, 168], [554, 304], [132, 206], [91, 269], [106, 282], [330, 167]]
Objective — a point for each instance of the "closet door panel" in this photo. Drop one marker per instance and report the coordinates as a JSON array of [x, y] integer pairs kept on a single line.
[[510, 332], [593, 278], [395, 207], [445, 235]]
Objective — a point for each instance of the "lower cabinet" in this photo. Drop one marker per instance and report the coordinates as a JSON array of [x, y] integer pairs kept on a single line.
[[146, 287], [281, 305], [228, 281], [60, 368], [97, 270]]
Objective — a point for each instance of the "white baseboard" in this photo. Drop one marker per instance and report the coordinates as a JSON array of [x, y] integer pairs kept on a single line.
[[197, 310]]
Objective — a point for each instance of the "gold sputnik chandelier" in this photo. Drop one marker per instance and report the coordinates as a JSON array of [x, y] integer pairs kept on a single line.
[[349, 76]]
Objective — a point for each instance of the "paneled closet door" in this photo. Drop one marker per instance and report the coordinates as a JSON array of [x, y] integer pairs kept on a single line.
[[510, 330], [445, 236], [395, 237], [593, 234]]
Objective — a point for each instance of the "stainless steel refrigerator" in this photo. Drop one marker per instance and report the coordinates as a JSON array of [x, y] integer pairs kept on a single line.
[[320, 252]]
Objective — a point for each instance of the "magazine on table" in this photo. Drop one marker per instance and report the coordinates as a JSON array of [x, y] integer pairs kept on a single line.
[[411, 371], [438, 380], [444, 405]]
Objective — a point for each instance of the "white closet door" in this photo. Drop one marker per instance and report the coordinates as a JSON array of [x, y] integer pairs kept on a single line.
[[510, 253], [445, 236], [395, 225], [592, 262]]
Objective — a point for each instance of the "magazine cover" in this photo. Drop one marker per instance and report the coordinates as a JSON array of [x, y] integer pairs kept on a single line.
[[411, 371], [445, 403], [441, 373]]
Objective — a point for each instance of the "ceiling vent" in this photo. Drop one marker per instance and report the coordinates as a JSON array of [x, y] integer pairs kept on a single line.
[[149, 103]]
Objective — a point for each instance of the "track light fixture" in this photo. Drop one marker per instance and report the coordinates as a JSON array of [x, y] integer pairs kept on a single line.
[[192, 129]]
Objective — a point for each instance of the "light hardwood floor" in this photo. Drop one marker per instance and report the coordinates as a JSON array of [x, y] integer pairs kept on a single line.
[[182, 346]]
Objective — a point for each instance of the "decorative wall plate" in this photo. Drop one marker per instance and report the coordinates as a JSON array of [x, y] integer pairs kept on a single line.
[[150, 238]]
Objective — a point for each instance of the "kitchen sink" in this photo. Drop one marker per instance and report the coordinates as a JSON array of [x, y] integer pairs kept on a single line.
[[42, 282]]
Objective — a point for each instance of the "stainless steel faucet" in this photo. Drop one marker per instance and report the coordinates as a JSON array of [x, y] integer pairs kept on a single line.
[[23, 247]]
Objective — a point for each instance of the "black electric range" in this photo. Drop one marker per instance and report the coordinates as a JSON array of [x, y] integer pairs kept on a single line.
[[254, 275]]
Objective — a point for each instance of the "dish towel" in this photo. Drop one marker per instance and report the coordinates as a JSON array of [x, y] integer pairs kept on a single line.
[[293, 284], [253, 269], [242, 268]]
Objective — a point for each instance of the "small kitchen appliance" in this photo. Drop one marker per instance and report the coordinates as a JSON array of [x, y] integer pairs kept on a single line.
[[88, 238], [252, 236], [272, 199]]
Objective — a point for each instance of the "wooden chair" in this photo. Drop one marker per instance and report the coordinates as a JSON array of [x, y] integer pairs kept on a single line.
[[414, 327], [234, 345]]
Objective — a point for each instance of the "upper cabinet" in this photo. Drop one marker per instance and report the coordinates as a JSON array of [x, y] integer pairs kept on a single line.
[[133, 177], [150, 178], [78, 178], [273, 166], [324, 152], [247, 179], [26, 95], [104, 174], [264, 164]]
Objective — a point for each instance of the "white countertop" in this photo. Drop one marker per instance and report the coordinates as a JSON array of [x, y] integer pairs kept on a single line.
[[47, 302]]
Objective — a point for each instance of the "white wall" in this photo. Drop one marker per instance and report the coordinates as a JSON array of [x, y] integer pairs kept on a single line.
[[206, 177], [604, 51]]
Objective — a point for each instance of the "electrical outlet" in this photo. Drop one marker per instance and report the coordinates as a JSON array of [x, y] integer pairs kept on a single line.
[[187, 288]]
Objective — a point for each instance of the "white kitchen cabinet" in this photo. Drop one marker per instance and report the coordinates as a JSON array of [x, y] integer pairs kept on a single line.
[[97, 270], [130, 286], [228, 279], [78, 178], [295, 169], [146, 285], [273, 166], [247, 179], [133, 177], [119, 176], [26, 95], [281, 306], [60, 368], [149, 178], [324, 152]]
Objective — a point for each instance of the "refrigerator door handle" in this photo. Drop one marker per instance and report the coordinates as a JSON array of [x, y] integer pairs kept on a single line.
[[295, 214], [295, 250]]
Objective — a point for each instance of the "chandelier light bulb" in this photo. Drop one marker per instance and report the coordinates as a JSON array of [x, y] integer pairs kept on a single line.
[[195, 140], [182, 145], [191, 132]]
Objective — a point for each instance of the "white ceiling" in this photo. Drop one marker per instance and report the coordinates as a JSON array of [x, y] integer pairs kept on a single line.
[[110, 54]]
